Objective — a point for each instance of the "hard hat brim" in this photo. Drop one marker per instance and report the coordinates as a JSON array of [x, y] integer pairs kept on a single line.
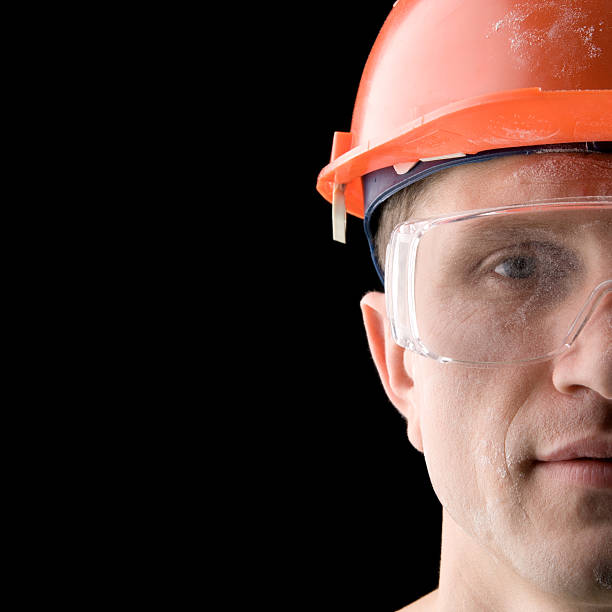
[[516, 118]]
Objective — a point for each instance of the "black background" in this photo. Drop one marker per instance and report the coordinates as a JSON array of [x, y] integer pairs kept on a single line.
[[312, 491], [354, 499]]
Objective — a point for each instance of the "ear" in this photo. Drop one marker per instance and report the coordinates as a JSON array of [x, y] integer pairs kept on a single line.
[[394, 363]]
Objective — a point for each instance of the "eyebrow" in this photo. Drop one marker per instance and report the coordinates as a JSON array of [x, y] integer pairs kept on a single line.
[[507, 225], [486, 230]]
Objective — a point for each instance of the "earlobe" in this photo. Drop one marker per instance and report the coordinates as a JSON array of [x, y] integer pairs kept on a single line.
[[389, 358]]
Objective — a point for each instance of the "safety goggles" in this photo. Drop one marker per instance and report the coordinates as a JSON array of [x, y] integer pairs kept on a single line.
[[502, 285]]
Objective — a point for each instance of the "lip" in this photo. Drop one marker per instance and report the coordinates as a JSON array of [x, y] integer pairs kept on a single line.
[[580, 462], [594, 473], [592, 448]]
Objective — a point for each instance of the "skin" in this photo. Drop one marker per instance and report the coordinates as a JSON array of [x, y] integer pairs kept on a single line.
[[512, 537]]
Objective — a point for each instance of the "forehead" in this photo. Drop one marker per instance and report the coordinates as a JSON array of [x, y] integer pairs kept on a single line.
[[518, 179]]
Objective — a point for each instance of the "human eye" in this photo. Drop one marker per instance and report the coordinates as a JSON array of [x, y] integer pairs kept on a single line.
[[516, 267], [545, 269]]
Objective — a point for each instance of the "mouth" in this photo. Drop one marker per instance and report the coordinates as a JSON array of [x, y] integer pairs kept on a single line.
[[574, 459], [586, 472], [586, 462], [605, 459]]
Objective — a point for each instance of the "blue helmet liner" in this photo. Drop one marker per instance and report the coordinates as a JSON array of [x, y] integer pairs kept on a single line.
[[379, 185]]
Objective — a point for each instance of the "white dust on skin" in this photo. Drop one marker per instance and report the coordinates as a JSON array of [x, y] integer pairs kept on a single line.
[[603, 576], [532, 44], [485, 490], [538, 532]]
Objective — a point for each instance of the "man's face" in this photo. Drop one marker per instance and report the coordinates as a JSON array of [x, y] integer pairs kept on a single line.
[[482, 430]]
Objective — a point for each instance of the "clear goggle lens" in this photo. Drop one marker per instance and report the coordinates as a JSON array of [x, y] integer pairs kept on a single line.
[[504, 285]]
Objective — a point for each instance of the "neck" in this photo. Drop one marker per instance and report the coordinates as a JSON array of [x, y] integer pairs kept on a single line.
[[473, 578]]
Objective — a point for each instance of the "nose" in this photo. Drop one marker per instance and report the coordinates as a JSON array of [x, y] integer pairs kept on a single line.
[[588, 362]]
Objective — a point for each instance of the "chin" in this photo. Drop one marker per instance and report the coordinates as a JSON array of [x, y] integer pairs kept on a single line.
[[582, 575]]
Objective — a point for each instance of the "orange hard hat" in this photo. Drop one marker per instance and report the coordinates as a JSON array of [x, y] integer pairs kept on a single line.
[[456, 77]]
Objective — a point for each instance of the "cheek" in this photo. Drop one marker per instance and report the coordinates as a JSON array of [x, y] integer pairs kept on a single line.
[[466, 417], [450, 427]]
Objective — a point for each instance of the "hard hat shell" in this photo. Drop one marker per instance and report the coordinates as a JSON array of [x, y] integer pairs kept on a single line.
[[457, 77]]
